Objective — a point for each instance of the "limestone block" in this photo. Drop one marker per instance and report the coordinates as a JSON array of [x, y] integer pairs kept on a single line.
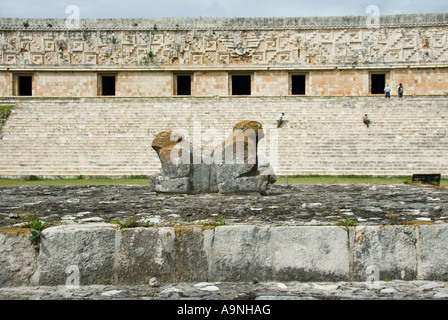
[[139, 255], [385, 252], [240, 253], [163, 184], [310, 253], [186, 253], [433, 262], [227, 183], [169, 254], [18, 257], [89, 249]]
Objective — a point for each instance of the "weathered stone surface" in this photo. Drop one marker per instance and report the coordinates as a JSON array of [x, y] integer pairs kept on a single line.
[[387, 252], [18, 257], [231, 167], [88, 247], [290, 234], [139, 256], [269, 290], [283, 205], [170, 254], [433, 251], [100, 254], [306, 253], [187, 253], [242, 253], [233, 40]]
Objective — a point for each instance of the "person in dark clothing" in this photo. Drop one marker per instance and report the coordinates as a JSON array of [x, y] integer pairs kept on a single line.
[[400, 91], [366, 120]]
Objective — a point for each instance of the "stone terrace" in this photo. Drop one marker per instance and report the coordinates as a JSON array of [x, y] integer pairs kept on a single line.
[[292, 234], [293, 205]]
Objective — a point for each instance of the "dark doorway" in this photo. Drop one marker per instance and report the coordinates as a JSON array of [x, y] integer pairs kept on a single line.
[[183, 85], [25, 85], [298, 84], [241, 85], [377, 83], [108, 85]]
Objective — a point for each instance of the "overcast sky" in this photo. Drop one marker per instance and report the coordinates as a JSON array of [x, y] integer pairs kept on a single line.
[[212, 8]]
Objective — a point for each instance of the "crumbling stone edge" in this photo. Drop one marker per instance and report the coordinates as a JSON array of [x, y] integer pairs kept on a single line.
[[105, 254]]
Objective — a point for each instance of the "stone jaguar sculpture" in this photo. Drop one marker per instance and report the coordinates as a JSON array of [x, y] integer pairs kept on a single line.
[[234, 166]]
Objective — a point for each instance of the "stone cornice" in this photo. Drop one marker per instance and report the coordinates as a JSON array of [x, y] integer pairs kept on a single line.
[[406, 20], [199, 68]]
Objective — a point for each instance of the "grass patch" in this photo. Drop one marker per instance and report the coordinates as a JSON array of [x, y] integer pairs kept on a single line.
[[348, 179], [35, 226], [347, 223], [215, 223], [5, 111], [77, 181], [144, 180], [132, 224]]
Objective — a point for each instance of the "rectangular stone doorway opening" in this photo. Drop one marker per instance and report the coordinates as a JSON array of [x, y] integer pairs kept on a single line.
[[107, 85], [25, 85], [183, 85], [241, 85], [298, 84], [377, 83]]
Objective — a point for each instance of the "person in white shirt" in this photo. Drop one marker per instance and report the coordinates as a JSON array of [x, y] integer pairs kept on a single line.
[[387, 90], [280, 119]]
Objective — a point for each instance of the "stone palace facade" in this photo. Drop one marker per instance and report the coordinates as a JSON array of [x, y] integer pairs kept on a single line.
[[207, 57]]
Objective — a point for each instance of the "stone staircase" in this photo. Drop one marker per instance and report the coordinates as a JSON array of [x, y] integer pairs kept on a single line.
[[321, 135]]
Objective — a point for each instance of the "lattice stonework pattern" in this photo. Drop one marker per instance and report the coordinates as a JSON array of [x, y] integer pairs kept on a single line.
[[411, 45]]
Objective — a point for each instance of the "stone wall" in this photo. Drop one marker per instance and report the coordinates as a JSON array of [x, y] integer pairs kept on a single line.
[[60, 84], [411, 39], [208, 84], [271, 83], [5, 84], [336, 53], [143, 83], [102, 254]]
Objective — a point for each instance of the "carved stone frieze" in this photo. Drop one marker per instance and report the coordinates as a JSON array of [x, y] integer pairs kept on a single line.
[[255, 44]]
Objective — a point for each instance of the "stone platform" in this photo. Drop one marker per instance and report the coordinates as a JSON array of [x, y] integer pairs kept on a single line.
[[294, 233], [284, 205]]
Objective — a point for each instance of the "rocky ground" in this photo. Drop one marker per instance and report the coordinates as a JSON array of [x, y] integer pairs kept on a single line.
[[283, 205], [380, 290]]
